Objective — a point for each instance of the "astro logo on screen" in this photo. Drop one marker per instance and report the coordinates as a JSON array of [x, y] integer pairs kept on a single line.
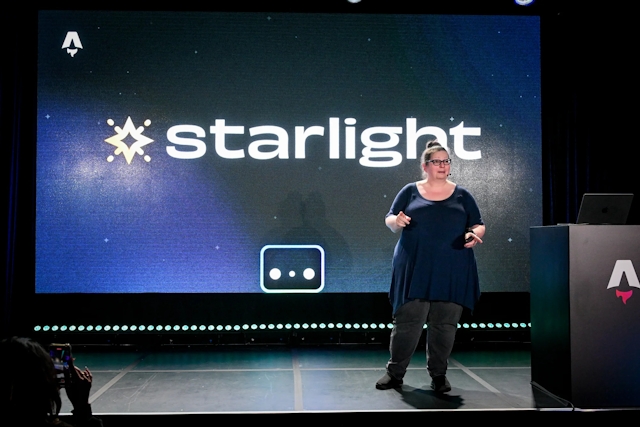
[[72, 43], [623, 266], [292, 268], [129, 131]]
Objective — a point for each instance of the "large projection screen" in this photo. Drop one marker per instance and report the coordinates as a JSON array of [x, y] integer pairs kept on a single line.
[[254, 152]]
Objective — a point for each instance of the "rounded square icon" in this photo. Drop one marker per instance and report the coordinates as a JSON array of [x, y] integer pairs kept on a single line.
[[292, 268]]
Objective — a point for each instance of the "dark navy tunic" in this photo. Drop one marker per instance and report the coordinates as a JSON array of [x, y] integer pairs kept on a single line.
[[430, 261]]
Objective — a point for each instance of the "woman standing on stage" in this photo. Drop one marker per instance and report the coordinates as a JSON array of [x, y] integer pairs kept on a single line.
[[434, 267]]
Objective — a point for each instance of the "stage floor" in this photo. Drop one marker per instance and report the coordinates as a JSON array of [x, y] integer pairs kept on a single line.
[[281, 379]]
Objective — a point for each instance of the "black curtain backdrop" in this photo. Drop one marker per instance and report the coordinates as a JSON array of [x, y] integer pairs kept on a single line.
[[588, 114]]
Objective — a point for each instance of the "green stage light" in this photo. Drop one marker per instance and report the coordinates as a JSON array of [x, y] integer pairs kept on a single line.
[[202, 327], [305, 326], [515, 325], [287, 326], [107, 328], [63, 328], [245, 327], [339, 325], [523, 325], [474, 325], [482, 325], [72, 328], [465, 325], [254, 327], [322, 326], [490, 325], [37, 328], [296, 326], [529, 324], [389, 325], [133, 327], [219, 327], [279, 326], [46, 328], [498, 325], [117, 328], [271, 326], [347, 326], [98, 328], [263, 326], [506, 325], [227, 328], [236, 327], [365, 326], [194, 328], [331, 326], [210, 327]]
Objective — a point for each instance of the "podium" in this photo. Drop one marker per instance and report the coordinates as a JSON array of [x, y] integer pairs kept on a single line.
[[585, 313]]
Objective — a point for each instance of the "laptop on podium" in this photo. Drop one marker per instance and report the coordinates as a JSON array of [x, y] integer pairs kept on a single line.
[[604, 208]]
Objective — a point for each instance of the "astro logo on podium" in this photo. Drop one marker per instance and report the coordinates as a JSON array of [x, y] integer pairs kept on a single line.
[[623, 267], [292, 268]]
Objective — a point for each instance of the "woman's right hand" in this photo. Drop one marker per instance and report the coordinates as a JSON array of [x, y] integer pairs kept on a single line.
[[78, 385], [402, 220]]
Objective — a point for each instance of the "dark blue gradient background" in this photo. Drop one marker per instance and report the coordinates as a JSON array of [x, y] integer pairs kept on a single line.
[[189, 226]]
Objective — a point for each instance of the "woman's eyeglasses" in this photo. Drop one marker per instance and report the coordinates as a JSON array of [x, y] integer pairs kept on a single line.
[[438, 162]]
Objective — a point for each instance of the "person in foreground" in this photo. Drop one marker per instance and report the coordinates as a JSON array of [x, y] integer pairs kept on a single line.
[[434, 267], [30, 391]]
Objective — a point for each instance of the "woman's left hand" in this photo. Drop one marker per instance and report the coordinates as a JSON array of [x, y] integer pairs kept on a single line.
[[474, 239]]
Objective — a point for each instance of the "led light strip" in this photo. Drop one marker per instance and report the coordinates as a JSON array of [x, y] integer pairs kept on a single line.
[[254, 327]]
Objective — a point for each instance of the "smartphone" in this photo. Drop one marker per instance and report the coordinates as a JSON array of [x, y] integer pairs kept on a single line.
[[61, 356]]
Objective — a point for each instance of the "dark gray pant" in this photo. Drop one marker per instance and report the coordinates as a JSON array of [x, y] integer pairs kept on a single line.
[[442, 322]]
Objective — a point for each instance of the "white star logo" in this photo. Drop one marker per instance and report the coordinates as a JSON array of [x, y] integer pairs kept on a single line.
[[129, 129]]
